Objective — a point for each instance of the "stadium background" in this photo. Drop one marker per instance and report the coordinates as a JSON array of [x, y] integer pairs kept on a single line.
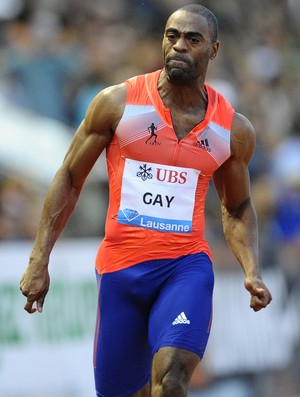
[[55, 55]]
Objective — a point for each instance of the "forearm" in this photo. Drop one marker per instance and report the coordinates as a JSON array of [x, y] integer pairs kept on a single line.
[[241, 233], [58, 206]]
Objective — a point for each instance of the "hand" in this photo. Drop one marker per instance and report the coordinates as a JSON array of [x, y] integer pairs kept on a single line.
[[260, 295], [34, 285]]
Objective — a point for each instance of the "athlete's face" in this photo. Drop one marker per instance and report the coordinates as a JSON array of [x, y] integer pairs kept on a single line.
[[187, 47]]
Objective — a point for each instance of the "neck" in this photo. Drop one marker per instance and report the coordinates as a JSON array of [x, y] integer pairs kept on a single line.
[[182, 94]]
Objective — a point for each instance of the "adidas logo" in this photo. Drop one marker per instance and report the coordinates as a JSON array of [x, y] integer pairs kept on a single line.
[[181, 319], [203, 144]]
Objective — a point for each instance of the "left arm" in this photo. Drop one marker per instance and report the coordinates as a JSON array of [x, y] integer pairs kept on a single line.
[[238, 213]]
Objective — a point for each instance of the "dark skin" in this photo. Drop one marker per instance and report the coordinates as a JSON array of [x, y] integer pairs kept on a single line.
[[187, 50]]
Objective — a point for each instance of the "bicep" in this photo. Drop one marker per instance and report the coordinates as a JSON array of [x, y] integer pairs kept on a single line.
[[94, 133], [231, 180], [232, 184], [83, 153]]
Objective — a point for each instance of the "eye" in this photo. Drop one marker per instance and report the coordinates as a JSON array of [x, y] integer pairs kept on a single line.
[[194, 40], [171, 36]]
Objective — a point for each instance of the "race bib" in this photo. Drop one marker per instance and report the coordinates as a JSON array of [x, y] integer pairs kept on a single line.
[[158, 197]]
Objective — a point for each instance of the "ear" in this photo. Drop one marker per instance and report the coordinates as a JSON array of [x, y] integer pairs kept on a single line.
[[214, 49]]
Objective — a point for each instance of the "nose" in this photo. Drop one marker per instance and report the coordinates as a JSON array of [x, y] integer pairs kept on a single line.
[[180, 44]]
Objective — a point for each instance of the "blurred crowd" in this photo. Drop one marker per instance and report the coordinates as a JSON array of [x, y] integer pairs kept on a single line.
[[55, 55]]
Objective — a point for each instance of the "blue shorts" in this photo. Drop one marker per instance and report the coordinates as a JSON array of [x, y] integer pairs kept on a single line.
[[145, 307]]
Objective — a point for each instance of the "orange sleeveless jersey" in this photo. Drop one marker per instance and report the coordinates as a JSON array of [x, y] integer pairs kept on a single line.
[[158, 185]]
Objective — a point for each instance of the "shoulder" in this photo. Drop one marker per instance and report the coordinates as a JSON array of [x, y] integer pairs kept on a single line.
[[107, 107], [243, 137], [240, 124]]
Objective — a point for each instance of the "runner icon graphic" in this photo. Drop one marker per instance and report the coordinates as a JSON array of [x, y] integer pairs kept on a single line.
[[152, 130]]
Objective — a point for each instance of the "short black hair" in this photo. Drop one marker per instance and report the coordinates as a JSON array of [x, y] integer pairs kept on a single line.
[[207, 14]]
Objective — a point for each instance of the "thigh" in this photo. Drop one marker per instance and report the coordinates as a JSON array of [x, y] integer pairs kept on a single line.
[[181, 316], [122, 356]]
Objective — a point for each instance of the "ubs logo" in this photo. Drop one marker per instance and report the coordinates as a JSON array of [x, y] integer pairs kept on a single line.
[[162, 175], [144, 172], [171, 176]]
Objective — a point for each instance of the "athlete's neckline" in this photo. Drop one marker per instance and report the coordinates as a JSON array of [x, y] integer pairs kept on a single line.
[[165, 113]]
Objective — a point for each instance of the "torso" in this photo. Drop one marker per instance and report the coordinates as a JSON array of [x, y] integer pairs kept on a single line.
[[149, 175]]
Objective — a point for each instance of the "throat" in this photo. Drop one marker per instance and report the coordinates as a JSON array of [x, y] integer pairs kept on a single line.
[[187, 105], [183, 122]]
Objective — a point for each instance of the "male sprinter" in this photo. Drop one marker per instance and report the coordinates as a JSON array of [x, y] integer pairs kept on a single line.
[[154, 266]]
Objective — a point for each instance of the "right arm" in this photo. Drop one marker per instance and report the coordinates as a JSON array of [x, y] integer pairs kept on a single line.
[[92, 136], [239, 219]]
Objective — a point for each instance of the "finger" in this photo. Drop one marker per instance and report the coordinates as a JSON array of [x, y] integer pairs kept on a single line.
[[24, 291], [22, 286], [28, 306], [249, 286], [257, 303], [40, 304], [257, 306], [254, 290]]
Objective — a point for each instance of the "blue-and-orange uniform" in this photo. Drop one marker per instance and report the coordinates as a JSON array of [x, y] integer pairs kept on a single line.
[[154, 265]]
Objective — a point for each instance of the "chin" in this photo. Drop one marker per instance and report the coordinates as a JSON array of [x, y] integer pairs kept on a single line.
[[178, 76], [175, 73]]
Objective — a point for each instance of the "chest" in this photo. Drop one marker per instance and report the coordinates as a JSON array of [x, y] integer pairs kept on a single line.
[[184, 121], [145, 135]]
